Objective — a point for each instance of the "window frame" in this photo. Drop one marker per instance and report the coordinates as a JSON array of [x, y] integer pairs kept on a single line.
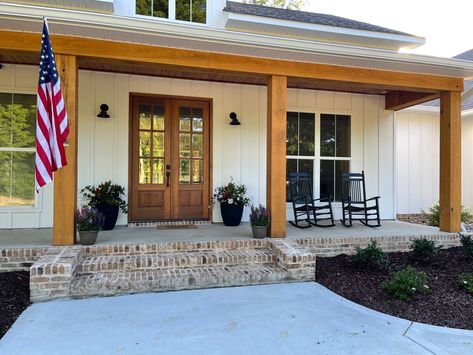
[[38, 197], [317, 158], [172, 15]]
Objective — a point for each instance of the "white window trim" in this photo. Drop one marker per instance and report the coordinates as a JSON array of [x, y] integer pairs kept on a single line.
[[317, 157], [172, 14]]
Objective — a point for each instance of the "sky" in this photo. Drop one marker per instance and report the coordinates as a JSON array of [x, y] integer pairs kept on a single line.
[[447, 25]]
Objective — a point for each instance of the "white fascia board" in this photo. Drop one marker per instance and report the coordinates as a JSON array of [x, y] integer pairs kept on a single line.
[[331, 53], [248, 21]]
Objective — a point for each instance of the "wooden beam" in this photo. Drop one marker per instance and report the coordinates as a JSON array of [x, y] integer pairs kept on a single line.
[[140, 53], [65, 179], [276, 155], [450, 162], [398, 100]]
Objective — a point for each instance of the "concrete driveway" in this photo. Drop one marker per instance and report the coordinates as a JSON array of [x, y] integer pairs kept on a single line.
[[298, 318]]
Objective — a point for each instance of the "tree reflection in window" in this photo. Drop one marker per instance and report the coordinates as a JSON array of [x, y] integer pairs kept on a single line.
[[17, 149]]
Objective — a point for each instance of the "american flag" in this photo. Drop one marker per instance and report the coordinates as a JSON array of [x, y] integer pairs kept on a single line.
[[52, 126]]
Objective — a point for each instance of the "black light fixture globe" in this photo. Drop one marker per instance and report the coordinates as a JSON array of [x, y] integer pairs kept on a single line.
[[234, 119], [103, 111]]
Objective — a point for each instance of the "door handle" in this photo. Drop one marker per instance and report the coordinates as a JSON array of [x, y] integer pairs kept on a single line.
[[168, 174]]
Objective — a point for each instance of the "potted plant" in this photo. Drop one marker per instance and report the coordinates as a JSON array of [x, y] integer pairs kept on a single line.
[[108, 198], [89, 222], [260, 220], [232, 198]]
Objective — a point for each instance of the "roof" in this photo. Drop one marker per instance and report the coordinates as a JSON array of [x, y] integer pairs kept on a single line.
[[305, 16], [468, 55], [467, 94]]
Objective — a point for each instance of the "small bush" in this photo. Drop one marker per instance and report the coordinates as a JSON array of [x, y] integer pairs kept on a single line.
[[467, 243], [424, 249], [372, 256], [466, 281], [406, 283], [434, 215]]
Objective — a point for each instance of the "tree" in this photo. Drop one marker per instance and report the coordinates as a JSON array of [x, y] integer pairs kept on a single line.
[[283, 4]]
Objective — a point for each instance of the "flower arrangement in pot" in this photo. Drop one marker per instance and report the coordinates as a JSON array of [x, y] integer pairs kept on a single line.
[[232, 198], [89, 222], [107, 198], [260, 220]]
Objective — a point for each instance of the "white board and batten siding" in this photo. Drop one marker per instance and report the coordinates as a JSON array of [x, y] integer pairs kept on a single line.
[[238, 151], [417, 159]]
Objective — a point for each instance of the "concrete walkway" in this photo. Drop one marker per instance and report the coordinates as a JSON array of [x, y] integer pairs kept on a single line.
[[298, 318]]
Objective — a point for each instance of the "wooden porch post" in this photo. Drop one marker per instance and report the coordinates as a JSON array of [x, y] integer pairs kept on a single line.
[[65, 180], [450, 161], [276, 155]]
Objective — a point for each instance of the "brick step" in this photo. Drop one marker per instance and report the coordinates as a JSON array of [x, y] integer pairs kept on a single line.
[[111, 263], [123, 282], [153, 248]]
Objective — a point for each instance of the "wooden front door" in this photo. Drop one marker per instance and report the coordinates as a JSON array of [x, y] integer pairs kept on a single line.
[[169, 159]]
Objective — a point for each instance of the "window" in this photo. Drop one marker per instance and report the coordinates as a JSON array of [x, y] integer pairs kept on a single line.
[[155, 8], [335, 151], [300, 143], [191, 10], [323, 152], [17, 149], [183, 10]]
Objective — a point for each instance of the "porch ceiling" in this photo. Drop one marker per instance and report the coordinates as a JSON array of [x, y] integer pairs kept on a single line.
[[163, 70]]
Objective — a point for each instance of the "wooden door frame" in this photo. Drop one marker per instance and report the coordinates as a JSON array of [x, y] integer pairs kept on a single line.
[[130, 140]]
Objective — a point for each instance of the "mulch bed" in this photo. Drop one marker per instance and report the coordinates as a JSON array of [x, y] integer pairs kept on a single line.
[[14, 297], [447, 305]]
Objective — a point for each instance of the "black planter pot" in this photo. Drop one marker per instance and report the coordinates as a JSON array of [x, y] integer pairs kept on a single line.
[[111, 215], [231, 214]]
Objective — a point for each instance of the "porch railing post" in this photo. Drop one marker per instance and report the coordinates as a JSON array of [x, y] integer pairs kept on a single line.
[[276, 155], [65, 180], [450, 161]]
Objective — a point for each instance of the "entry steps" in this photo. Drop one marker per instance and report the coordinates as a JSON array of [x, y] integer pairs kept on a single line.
[[124, 269]]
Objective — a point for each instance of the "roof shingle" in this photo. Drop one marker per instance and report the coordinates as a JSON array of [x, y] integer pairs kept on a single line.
[[305, 16]]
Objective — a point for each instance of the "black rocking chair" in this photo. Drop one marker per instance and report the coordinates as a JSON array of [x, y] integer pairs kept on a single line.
[[307, 210], [355, 205]]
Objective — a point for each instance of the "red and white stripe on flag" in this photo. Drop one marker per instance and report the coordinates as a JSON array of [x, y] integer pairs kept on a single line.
[[52, 126]]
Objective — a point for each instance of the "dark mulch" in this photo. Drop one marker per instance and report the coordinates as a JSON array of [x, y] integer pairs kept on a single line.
[[447, 305], [14, 297]]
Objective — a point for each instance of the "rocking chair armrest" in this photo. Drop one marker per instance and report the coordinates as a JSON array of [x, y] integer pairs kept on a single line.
[[373, 198], [323, 199]]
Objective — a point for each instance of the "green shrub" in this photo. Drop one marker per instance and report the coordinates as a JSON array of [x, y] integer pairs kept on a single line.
[[372, 256], [467, 243], [406, 283], [434, 214], [466, 281], [424, 249]]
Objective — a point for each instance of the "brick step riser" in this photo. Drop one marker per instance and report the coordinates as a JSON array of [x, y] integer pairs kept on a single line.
[[160, 264], [178, 284], [187, 247]]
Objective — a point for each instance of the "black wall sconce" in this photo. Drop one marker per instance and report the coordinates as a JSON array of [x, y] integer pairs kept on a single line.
[[234, 119], [103, 111]]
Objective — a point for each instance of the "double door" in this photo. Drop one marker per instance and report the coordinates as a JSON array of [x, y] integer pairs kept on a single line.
[[169, 160]]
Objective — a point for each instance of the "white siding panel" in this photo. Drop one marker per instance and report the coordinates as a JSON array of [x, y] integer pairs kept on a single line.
[[386, 162], [7, 76], [325, 100], [27, 78], [371, 143], [414, 162]]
